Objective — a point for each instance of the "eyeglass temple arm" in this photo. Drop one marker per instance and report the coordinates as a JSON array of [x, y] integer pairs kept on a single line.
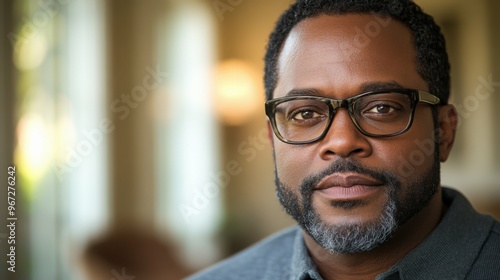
[[428, 98]]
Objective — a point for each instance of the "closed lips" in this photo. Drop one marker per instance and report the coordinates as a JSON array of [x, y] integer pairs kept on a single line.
[[347, 180]]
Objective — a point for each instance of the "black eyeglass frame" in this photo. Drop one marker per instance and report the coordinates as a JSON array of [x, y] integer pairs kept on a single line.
[[415, 95]]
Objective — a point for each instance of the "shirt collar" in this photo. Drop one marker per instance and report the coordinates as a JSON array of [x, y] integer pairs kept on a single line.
[[302, 265], [447, 253]]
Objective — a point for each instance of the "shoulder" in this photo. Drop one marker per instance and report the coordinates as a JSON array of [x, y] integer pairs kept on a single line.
[[491, 246], [261, 261], [487, 264]]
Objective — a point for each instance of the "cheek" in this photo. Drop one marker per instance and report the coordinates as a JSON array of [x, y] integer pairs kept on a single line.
[[417, 160], [291, 163], [409, 155]]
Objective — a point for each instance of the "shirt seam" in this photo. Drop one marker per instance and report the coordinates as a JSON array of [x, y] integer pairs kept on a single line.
[[493, 231]]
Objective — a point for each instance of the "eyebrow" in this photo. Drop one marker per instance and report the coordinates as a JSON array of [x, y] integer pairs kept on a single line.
[[305, 91], [369, 86]]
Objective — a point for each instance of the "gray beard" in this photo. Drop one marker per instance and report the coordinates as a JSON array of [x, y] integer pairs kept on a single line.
[[353, 237]]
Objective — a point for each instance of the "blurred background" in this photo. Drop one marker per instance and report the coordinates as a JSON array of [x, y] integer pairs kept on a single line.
[[141, 122]]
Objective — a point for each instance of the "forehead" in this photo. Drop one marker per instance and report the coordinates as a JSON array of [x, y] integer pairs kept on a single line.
[[339, 54]]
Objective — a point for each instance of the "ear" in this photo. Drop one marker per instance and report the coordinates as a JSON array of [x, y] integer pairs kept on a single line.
[[448, 121]]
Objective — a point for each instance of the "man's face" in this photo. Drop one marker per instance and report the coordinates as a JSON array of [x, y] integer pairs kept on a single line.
[[347, 190]]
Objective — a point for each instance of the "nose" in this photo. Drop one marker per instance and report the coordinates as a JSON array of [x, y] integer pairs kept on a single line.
[[343, 139]]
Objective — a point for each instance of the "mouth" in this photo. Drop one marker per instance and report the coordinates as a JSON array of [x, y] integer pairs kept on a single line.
[[348, 186]]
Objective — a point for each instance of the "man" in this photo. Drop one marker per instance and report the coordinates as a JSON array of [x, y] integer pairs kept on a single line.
[[356, 90]]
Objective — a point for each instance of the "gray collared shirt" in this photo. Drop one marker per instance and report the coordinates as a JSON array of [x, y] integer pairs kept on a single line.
[[465, 245]]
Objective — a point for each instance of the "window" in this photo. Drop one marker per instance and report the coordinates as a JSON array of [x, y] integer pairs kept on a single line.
[[60, 153], [189, 200]]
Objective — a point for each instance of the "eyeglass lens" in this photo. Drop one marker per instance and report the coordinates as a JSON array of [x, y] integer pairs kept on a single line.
[[300, 120]]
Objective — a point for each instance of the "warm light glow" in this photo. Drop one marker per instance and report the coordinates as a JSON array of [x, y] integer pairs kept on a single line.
[[30, 51], [34, 148], [237, 92]]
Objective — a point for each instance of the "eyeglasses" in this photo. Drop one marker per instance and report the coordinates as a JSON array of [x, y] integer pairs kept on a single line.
[[380, 113]]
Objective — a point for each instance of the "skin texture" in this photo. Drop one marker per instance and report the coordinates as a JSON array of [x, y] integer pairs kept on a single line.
[[319, 54]]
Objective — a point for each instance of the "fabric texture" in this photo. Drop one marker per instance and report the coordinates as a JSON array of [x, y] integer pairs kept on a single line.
[[465, 245]]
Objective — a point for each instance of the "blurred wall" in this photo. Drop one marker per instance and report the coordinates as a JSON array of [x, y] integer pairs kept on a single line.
[[131, 49], [253, 211]]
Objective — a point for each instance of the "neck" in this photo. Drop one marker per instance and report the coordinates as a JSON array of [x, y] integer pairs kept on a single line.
[[368, 265]]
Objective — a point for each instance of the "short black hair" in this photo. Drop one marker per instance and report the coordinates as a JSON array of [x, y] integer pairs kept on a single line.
[[430, 48]]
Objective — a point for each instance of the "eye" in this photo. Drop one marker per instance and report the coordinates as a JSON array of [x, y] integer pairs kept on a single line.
[[304, 115], [381, 109]]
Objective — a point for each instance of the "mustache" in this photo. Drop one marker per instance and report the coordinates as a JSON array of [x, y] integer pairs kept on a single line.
[[344, 166]]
